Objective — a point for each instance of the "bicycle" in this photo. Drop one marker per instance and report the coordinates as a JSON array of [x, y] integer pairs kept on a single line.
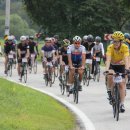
[[115, 93], [49, 77], [75, 90], [96, 74], [24, 70], [64, 79], [33, 65], [56, 68], [10, 64], [86, 75]]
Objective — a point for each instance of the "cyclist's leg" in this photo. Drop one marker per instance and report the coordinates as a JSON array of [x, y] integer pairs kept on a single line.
[[80, 72], [19, 67]]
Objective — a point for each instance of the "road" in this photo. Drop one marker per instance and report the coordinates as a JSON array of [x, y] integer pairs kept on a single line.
[[92, 100]]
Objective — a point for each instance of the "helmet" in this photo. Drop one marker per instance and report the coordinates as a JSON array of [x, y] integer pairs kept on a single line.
[[77, 39], [127, 35], [85, 38], [66, 42], [10, 38], [56, 36], [90, 38], [118, 35], [31, 37], [23, 38], [48, 39], [98, 39]]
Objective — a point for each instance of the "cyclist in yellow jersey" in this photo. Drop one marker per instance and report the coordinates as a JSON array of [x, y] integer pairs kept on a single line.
[[117, 61]]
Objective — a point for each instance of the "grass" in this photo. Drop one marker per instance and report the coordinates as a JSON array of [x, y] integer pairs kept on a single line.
[[22, 108]]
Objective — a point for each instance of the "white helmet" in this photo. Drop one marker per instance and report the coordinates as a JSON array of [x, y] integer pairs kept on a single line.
[[10, 38], [77, 39], [22, 38], [85, 37]]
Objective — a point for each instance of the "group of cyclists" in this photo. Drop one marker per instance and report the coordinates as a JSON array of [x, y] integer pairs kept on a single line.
[[75, 54]]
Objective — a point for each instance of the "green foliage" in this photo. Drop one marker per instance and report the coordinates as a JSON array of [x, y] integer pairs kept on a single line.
[[70, 17], [26, 109], [18, 26]]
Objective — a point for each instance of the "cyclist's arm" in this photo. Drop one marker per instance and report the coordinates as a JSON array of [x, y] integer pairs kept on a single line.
[[28, 51], [126, 62], [69, 56], [102, 48], [108, 61], [19, 53], [83, 57]]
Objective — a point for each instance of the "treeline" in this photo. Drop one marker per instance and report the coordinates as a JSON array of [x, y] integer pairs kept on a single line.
[[70, 17]]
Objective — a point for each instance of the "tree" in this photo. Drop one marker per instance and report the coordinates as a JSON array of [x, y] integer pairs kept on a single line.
[[70, 17]]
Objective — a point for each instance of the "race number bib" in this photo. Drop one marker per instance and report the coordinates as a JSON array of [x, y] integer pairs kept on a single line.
[[117, 79], [10, 56], [89, 61], [49, 63], [66, 68], [97, 58], [24, 60]]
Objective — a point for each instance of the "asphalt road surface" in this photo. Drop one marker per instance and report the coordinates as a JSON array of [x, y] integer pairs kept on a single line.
[[92, 100]]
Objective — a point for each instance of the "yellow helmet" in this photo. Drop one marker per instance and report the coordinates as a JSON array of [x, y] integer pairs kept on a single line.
[[118, 35]]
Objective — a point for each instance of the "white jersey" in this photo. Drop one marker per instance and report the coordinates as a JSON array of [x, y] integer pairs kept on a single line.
[[98, 47], [76, 53]]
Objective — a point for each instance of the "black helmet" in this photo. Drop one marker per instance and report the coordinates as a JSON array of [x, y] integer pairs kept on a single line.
[[97, 39], [90, 38], [56, 37]]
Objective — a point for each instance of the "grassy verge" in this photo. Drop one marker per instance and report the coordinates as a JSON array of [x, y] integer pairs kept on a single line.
[[22, 108]]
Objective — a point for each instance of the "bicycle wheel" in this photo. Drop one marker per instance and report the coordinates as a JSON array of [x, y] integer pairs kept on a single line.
[[10, 70], [88, 76], [35, 67], [84, 77], [117, 98], [50, 79], [98, 73], [56, 71], [25, 73], [76, 92], [46, 79], [53, 77]]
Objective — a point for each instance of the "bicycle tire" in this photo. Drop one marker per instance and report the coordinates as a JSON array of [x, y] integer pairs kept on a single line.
[[117, 97], [98, 73], [88, 76], [25, 73], [35, 67]]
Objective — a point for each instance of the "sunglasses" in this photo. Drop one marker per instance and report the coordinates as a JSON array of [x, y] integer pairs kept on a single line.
[[116, 42]]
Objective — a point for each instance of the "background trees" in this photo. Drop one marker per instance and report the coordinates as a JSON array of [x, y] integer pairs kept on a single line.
[[70, 17]]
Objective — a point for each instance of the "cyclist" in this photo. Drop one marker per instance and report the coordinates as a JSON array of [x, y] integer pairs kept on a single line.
[[63, 56], [23, 51], [97, 50], [33, 48], [84, 39], [76, 58], [117, 60], [127, 42], [9, 47], [89, 44], [48, 53]]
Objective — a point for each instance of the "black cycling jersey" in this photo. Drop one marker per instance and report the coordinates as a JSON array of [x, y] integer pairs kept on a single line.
[[23, 48], [88, 48], [63, 52], [32, 45], [9, 47]]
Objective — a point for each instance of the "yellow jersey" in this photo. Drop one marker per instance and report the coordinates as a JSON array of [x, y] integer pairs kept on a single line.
[[117, 55]]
